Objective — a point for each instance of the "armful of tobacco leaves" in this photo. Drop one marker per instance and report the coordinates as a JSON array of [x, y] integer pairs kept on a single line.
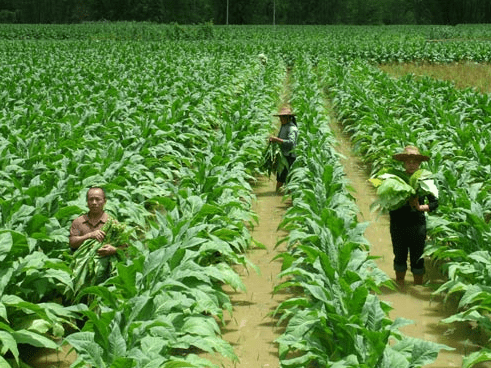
[[394, 189]]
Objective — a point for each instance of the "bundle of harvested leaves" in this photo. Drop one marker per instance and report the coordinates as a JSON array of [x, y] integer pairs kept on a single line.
[[273, 159], [396, 188], [91, 269]]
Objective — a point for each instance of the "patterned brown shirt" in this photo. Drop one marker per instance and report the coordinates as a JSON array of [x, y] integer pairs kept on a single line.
[[81, 225]]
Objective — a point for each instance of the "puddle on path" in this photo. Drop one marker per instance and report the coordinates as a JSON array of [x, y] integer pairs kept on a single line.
[[252, 330], [416, 303]]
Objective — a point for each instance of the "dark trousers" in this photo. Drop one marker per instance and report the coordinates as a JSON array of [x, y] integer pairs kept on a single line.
[[408, 238], [281, 177]]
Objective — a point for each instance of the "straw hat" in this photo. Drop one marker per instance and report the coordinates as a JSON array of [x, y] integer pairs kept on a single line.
[[410, 153], [285, 111]]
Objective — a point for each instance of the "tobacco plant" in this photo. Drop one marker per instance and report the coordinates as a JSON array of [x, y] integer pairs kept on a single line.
[[336, 320]]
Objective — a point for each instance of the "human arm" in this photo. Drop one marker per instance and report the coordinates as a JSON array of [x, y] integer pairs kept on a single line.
[[290, 140], [76, 241], [275, 140], [105, 250], [424, 207]]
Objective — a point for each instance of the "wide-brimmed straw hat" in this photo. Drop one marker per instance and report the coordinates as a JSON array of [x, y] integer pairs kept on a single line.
[[410, 153], [285, 111]]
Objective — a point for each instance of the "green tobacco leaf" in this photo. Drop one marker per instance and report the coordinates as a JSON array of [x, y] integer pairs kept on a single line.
[[34, 339], [373, 314], [8, 343], [393, 192], [184, 364], [472, 359], [68, 212], [393, 358], [6, 243], [89, 352], [419, 352], [21, 245], [4, 363], [121, 362], [117, 343]]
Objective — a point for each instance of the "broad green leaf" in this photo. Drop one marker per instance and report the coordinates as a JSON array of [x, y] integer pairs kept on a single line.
[[8, 343], [472, 359], [34, 339], [4, 363], [6, 243]]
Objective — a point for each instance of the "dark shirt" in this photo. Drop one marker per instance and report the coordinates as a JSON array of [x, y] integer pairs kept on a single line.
[[407, 216]]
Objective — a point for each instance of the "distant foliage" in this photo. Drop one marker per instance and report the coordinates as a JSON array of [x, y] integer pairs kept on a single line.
[[304, 12], [117, 31], [7, 16]]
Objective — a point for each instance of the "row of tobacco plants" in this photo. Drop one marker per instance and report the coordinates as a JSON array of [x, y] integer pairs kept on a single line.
[[174, 131], [336, 320], [173, 134], [383, 114]]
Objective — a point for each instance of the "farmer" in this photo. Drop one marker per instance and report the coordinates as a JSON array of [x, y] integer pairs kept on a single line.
[[287, 138], [408, 223], [88, 226]]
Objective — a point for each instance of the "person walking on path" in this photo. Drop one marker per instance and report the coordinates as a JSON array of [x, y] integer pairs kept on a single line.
[[408, 223], [287, 138]]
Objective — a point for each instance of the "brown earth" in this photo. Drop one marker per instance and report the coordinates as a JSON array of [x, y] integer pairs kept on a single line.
[[47, 358], [252, 329], [416, 303]]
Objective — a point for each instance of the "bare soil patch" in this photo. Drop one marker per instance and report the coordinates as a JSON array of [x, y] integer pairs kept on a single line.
[[463, 75], [252, 329]]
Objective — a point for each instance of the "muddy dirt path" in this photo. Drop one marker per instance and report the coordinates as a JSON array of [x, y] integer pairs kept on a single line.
[[252, 329], [416, 302]]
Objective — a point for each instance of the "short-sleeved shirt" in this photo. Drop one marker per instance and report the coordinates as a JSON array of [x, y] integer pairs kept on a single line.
[[81, 225]]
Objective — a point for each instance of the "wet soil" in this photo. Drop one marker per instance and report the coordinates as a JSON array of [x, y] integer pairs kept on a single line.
[[48, 358], [252, 329], [416, 303]]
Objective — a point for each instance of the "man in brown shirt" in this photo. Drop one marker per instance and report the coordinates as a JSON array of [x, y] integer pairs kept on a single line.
[[88, 226]]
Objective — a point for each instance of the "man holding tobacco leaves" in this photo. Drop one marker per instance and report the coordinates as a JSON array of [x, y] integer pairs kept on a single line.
[[88, 226], [96, 240], [408, 221]]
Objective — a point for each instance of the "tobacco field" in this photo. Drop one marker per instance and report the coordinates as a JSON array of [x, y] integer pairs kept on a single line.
[[173, 121]]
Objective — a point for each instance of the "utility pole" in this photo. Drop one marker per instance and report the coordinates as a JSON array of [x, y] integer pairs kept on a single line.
[[274, 12], [227, 14]]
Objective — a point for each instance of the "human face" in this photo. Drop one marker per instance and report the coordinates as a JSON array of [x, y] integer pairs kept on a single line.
[[411, 165], [284, 119], [96, 201]]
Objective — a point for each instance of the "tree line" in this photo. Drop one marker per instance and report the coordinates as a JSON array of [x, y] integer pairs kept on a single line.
[[449, 12]]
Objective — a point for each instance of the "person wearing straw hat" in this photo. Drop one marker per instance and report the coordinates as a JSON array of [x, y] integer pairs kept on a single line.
[[408, 222], [287, 139]]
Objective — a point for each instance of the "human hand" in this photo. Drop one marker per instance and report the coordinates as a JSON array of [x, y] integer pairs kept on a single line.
[[98, 235], [414, 202], [106, 250]]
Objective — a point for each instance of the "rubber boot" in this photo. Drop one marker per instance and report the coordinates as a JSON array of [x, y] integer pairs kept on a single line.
[[418, 279], [400, 278]]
